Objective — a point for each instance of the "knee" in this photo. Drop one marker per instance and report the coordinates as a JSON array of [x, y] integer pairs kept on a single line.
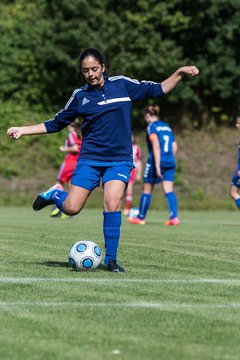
[[71, 209], [71, 212], [111, 205]]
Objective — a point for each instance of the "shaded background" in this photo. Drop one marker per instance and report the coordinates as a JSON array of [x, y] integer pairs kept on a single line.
[[147, 40]]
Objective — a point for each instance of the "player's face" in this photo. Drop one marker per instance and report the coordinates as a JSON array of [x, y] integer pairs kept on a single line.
[[70, 128], [238, 122], [92, 71], [148, 118]]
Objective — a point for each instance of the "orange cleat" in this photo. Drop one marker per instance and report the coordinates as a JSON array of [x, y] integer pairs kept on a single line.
[[126, 211], [175, 221], [136, 221]]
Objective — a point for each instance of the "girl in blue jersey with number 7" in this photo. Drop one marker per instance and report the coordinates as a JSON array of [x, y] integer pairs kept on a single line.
[[160, 166], [106, 105]]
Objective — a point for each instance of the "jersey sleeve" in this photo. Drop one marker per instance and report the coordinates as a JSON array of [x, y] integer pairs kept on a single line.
[[72, 139], [64, 117], [151, 130], [153, 137], [139, 90]]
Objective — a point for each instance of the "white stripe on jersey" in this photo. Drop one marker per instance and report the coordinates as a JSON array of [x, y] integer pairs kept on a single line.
[[163, 128], [71, 98], [114, 100], [68, 103], [71, 139], [150, 82], [112, 78]]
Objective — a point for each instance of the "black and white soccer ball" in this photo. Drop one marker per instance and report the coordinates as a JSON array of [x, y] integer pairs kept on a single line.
[[85, 255]]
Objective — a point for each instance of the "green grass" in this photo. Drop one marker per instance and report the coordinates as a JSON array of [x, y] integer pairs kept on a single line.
[[179, 298]]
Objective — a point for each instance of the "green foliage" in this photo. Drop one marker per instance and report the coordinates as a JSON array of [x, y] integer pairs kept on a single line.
[[179, 175], [8, 171], [212, 36], [31, 154], [23, 34], [40, 43], [198, 195]]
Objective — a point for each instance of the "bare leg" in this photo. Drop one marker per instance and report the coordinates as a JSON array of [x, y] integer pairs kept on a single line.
[[147, 188], [75, 200], [234, 193], [167, 186], [113, 195]]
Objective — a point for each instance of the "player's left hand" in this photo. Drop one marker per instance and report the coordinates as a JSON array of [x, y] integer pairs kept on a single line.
[[190, 70]]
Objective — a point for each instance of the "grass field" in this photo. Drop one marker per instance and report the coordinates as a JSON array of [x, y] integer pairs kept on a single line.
[[179, 298]]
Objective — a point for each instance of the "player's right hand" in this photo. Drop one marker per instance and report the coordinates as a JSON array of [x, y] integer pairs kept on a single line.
[[158, 172], [14, 132]]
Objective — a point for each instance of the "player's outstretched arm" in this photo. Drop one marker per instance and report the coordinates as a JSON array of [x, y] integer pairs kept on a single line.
[[156, 155], [16, 132], [170, 83], [70, 149]]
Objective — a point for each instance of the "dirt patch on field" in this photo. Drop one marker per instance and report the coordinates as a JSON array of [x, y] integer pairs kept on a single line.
[[208, 160]]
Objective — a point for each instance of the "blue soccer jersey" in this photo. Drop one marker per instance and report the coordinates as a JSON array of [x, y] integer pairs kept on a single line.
[[166, 139], [106, 129], [236, 179]]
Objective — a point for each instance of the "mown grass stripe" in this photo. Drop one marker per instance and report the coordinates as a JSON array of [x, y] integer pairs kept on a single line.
[[29, 280], [161, 306]]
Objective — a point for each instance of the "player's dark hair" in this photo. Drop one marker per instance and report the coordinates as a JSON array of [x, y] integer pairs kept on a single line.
[[90, 52], [153, 110]]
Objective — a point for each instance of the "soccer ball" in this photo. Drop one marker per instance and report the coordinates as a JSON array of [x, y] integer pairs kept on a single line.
[[133, 213], [85, 255]]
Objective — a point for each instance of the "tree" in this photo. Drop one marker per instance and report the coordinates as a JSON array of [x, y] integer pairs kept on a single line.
[[212, 37], [147, 40]]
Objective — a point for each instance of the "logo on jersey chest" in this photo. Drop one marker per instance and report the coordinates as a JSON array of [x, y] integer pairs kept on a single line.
[[85, 101]]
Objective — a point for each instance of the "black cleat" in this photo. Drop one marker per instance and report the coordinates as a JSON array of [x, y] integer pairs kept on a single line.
[[45, 198], [113, 266], [39, 203]]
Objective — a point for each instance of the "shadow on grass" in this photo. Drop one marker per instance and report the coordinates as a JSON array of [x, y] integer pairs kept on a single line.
[[102, 267], [65, 264], [56, 264]]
